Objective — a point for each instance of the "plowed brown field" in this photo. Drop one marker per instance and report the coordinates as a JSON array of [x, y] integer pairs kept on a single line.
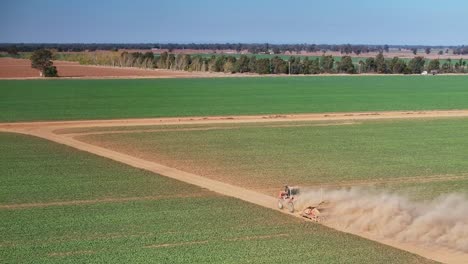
[[21, 68]]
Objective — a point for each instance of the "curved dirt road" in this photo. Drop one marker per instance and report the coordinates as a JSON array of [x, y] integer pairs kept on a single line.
[[46, 130]]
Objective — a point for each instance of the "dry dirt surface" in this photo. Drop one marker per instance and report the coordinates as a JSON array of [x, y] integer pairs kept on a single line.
[[11, 68], [46, 130]]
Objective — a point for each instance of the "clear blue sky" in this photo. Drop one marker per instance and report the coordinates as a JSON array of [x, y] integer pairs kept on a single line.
[[430, 22]]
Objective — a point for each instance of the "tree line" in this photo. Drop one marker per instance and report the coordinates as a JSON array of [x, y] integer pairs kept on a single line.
[[251, 47], [274, 65]]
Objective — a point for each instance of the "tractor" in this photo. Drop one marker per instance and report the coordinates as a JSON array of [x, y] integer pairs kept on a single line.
[[286, 198]]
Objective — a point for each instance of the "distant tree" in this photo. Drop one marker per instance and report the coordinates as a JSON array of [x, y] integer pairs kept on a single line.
[[386, 48], [278, 65], [50, 72], [182, 62], [170, 62], [398, 66], [346, 65], [42, 60], [217, 63], [315, 67], [238, 48], [252, 64], [242, 64], [414, 50], [381, 66], [229, 67], [433, 65], [12, 50], [263, 66], [148, 55], [445, 68], [416, 65], [347, 49], [311, 48], [296, 65], [162, 63], [361, 66], [449, 61], [370, 65], [427, 50], [326, 63], [441, 52]]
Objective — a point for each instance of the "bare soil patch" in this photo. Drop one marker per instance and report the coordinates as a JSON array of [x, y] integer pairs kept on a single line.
[[21, 68]]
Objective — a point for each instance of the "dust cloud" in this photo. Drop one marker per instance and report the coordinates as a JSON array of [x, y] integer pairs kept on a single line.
[[440, 222]]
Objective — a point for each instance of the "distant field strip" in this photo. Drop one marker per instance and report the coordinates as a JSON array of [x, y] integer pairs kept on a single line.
[[39, 100]]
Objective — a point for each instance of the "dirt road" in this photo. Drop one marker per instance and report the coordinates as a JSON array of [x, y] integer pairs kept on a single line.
[[46, 130]]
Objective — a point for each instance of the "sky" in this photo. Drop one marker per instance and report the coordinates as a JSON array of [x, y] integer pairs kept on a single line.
[[398, 22]]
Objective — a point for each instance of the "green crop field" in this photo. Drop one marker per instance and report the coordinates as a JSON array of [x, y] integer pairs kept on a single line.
[[268, 155], [60, 205], [29, 100]]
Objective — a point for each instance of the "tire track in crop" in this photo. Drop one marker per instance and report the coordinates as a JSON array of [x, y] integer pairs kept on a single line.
[[75, 134], [97, 201]]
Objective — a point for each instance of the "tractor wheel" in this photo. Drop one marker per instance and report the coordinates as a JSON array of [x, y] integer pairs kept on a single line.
[[291, 207], [280, 203]]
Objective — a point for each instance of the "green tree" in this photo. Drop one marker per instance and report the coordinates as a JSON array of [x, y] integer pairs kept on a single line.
[[253, 64], [296, 66], [445, 68], [381, 65], [361, 66], [242, 64], [279, 66], [263, 66], [326, 63], [416, 65], [398, 66], [315, 66], [346, 65], [42, 60], [370, 65], [433, 65]]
